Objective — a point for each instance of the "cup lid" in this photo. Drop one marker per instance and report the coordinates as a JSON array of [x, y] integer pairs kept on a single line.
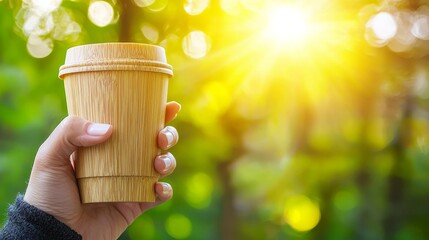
[[114, 57]]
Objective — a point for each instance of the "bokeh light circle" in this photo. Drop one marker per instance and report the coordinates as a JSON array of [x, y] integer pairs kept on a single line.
[[383, 25], [144, 3], [420, 28], [30, 24], [403, 40], [346, 200], [38, 47], [100, 13], [301, 213], [195, 7], [150, 32], [44, 7], [199, 190], [158, 5], [196, 44], [178, 226]]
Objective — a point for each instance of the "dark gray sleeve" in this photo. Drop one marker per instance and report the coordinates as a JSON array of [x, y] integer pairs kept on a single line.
[[28, 222]]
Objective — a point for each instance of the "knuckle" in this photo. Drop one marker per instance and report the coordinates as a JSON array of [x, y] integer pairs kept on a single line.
[[69, 122]]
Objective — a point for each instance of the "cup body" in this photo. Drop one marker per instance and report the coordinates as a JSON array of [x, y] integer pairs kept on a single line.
[[125, 85]]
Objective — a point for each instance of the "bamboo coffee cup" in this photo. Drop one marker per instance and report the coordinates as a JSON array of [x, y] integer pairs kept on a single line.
[[125, 85]]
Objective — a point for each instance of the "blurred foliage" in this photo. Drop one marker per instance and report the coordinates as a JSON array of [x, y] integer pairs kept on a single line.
[[324, 136]]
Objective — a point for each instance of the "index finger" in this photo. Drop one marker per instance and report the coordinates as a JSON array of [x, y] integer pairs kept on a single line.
[[172, 108]]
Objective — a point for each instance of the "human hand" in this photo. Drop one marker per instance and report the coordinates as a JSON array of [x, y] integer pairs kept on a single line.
[[53, 187]]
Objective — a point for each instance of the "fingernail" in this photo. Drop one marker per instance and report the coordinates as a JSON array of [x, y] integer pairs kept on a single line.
[[167, 161], [98, 129], [166, 188], [169, 135]]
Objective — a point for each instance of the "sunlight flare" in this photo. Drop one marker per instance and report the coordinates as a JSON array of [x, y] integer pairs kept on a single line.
[[286, 25]]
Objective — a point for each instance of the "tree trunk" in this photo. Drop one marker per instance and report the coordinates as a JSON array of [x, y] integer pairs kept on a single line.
[[396, 182], [228, 222], [126, 20]]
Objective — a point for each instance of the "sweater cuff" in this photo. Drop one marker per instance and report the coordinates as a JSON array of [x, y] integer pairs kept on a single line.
[[28, 222]]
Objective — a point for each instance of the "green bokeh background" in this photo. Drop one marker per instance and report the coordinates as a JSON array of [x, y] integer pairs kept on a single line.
[[339, 121]]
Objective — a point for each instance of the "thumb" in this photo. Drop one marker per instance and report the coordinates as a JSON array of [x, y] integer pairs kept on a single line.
[[71, 133]]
